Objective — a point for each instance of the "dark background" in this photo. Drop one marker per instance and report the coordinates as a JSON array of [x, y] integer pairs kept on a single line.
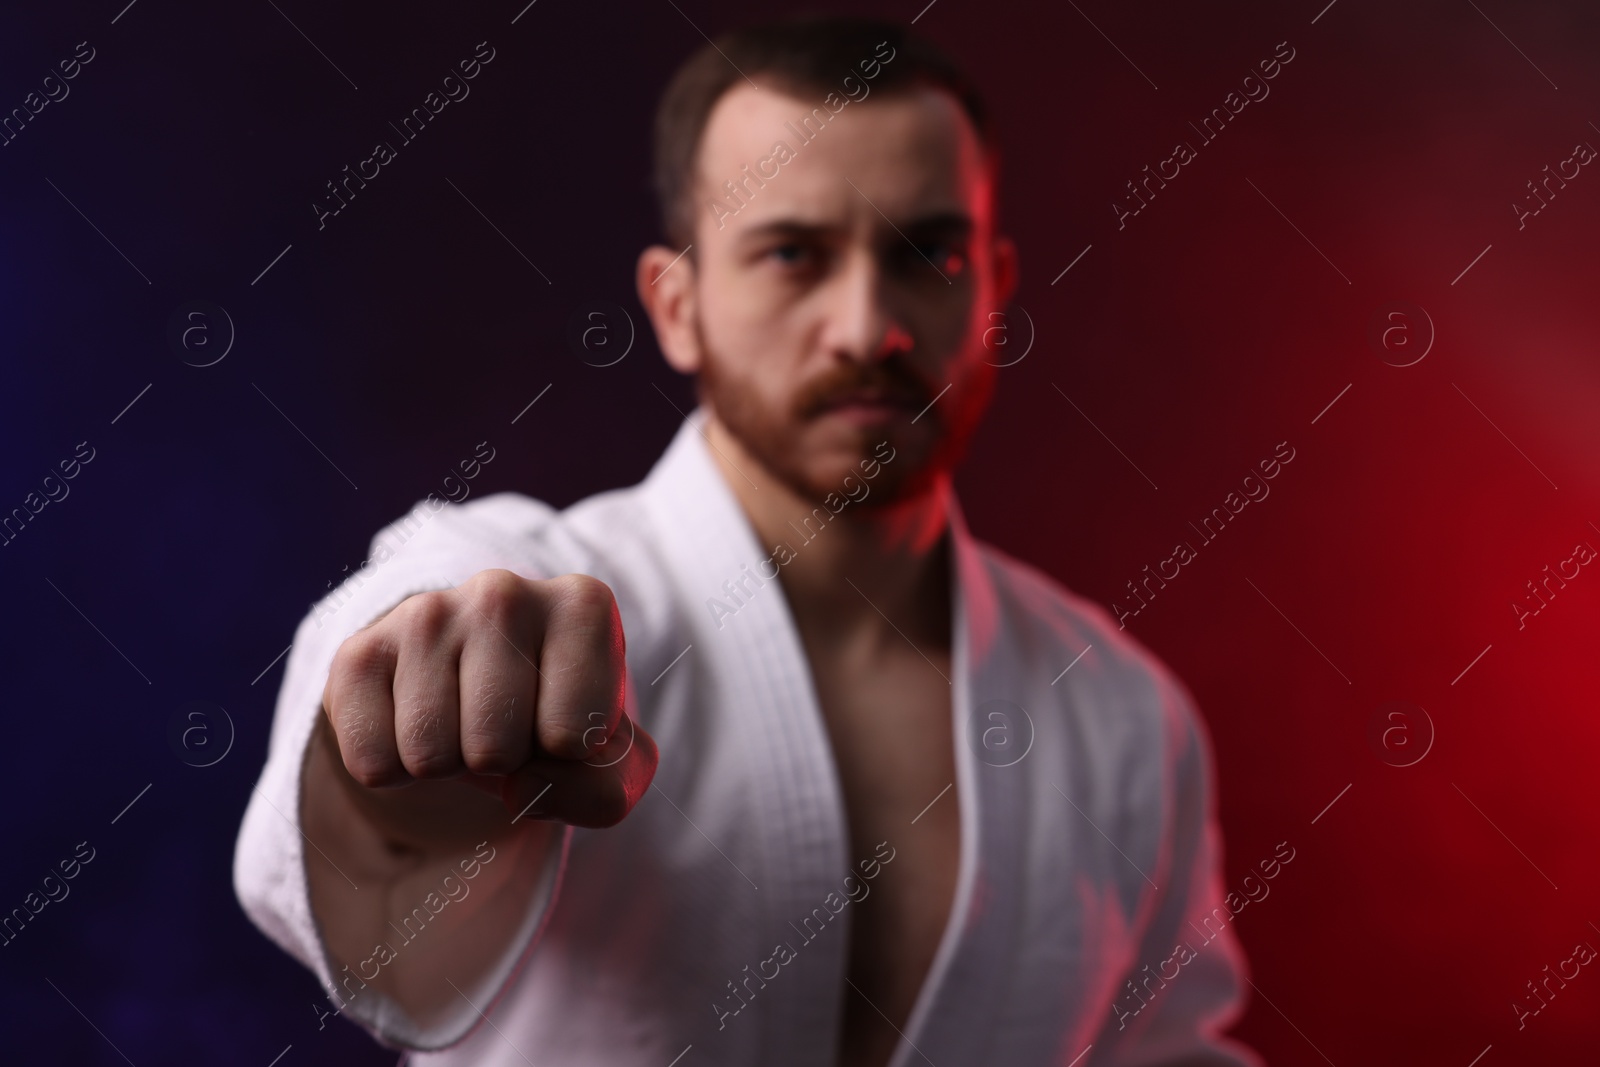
[[1213, 326]]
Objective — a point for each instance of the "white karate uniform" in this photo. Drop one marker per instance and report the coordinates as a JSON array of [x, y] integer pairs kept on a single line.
[[1089, 844]]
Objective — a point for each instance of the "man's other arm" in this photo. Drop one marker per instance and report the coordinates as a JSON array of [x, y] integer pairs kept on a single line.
[[1198, 989]]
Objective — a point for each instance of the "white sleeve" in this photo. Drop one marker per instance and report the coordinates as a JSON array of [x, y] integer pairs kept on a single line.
[[269, 872], [1189, 975]]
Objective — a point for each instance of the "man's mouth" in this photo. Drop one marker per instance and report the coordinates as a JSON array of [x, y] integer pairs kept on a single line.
[[870, 405], [871, 398]]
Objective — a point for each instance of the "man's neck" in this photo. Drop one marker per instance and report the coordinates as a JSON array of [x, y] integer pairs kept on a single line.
[[869, 575]]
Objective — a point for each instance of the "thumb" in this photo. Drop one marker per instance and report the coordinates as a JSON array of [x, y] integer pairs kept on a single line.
[[488, 783]]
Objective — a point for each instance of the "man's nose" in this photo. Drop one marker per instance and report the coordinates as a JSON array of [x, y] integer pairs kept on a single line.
[[862, 325]]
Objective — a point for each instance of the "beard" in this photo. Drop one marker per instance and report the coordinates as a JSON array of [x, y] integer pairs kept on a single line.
[[786, 437]]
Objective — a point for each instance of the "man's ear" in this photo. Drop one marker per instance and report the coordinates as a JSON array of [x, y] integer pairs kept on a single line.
[[1007, 270], [665, 281]]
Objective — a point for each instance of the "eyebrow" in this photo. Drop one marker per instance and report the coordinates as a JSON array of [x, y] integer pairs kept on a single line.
[[783, 228], [957, 223]]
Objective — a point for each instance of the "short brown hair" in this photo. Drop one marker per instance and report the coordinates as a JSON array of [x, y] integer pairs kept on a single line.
[[803, 54]]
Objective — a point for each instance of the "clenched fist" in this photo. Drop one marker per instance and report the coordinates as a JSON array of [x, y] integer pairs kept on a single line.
[[511, 685]]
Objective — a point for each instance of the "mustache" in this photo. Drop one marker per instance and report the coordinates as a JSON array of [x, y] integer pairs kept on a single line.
[[889, 376]]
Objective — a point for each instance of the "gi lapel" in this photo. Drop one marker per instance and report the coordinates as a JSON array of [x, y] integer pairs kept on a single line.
[[744, 626], [963, 996], [788, 781]]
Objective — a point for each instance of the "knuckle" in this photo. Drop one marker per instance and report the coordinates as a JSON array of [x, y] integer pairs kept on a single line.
[[487, 748], [372, 779], [366, 747], [363, 656], [492, 705], [490, 759], [432, 762], [427, 743], [423, 618], [561, 736], [584, 599], [372, 768], [500, 595]]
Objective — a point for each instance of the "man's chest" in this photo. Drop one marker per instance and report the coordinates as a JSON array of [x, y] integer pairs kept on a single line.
[[889, 723]]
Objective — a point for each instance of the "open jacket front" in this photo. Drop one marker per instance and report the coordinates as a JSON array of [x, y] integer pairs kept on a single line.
[[1089, 912]]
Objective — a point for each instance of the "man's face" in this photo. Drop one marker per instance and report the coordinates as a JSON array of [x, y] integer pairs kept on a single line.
[[864, 267]]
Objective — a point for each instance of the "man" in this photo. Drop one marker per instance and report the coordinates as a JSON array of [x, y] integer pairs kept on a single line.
[[764, 760]]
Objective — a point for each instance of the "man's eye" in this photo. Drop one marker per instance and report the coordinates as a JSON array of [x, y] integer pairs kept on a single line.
[[949, 259], [789, 254]]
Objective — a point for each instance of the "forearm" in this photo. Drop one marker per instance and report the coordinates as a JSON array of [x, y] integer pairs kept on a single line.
[[402, 891]]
